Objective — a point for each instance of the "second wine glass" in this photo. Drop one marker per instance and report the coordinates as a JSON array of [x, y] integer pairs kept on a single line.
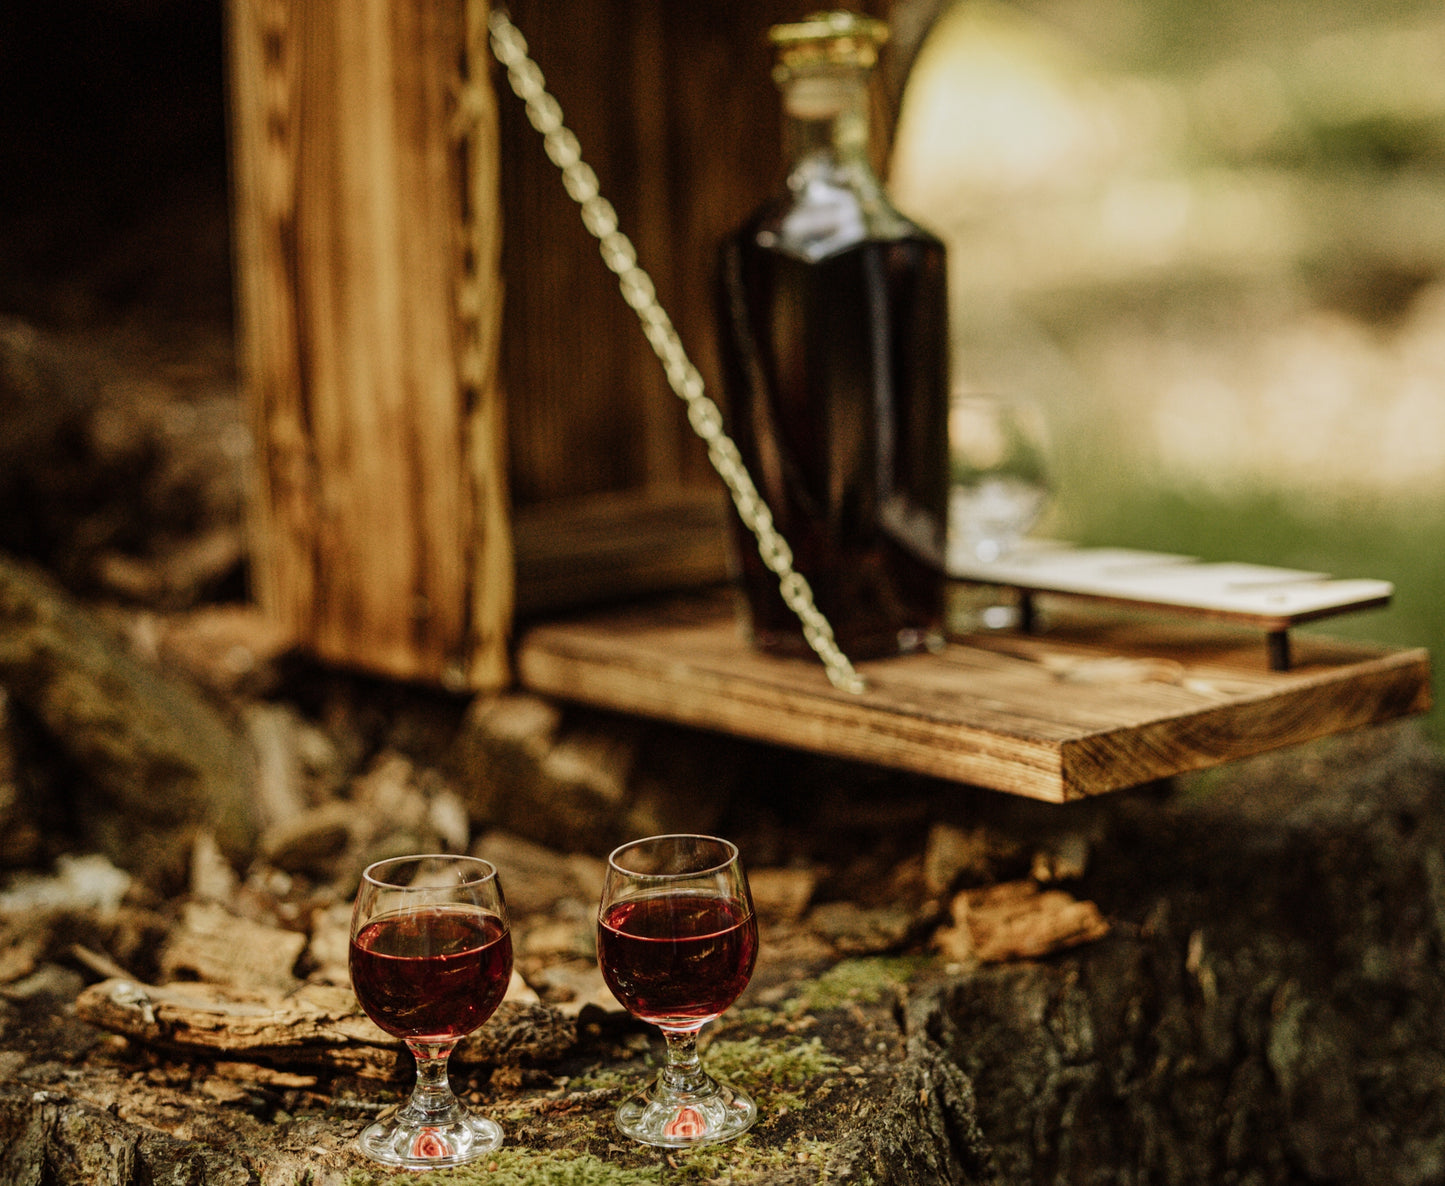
[[676, 942]]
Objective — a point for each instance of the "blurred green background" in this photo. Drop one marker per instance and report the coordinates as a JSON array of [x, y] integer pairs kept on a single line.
[[1208, 241]]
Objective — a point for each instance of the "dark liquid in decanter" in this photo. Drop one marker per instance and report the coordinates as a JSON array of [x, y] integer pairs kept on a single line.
[[837, 378]]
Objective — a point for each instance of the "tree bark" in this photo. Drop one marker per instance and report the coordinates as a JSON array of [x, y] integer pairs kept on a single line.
[[1266, 1010], [152, 762]]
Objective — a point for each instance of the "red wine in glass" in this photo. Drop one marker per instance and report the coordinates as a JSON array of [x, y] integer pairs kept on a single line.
[[431, 975], [431, 957], [676, 941], [677, 959]]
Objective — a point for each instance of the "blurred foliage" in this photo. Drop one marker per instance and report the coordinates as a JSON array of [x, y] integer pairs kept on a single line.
[[1209, 242]]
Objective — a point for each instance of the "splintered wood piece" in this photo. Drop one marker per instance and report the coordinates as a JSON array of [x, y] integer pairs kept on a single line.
[[1017, 920], [1093, 705], [318, 1025], [214, 944]]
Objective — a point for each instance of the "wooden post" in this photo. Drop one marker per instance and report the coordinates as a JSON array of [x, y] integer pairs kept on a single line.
[[367, 241], [369, 173]]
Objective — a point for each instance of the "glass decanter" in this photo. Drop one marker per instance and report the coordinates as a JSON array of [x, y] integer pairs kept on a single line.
[[833, 333]]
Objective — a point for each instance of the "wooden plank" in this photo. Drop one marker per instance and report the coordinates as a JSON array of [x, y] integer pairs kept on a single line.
[[619, 545], [674, 108], [1264, 596], [1093, 706], [365, 154], [589, 408]]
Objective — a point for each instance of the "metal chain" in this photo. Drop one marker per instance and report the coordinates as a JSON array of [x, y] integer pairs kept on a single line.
[[599, 217]]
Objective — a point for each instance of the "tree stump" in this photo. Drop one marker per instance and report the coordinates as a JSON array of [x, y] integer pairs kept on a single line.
[[1265, 1009]]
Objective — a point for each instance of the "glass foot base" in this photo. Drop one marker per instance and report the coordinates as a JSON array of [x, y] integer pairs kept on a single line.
[[393, 1141], [683, 1120], [980, 609]]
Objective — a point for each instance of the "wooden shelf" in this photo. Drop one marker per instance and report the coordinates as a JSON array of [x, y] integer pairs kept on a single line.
[[1090, 705]]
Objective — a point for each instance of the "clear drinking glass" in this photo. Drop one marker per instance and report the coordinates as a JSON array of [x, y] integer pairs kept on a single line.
[[999, 474], [998, 488], [676, 942], [431, 957]]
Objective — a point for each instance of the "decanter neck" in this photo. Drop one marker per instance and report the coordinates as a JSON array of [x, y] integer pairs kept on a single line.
[[826, 130]]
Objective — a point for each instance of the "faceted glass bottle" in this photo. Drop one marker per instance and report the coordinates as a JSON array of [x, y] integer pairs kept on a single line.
[[833, 334]]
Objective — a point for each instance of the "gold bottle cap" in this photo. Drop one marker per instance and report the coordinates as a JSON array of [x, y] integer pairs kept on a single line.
[[829, 38]]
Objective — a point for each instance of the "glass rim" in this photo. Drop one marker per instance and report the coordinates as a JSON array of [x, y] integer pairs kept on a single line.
[[486, 871], [729, 854]]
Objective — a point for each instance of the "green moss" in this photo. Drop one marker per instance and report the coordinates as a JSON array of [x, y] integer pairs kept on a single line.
[[524, 1167], [864, 981], [742, 1161], [605, 1078], [763, 1066], [784, 1073], [756, 1017], [782, 1103], [737, 1161]]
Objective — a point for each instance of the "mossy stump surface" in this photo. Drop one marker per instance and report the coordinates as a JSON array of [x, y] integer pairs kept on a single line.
[[1266, 1010], [840, 1084]]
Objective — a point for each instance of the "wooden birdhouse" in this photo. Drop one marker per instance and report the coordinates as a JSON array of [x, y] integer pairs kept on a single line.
[[471, 468]]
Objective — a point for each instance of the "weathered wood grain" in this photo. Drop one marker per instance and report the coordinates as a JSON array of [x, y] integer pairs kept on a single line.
[[316, 1025], [374, 174], [366, 175], [674, 108], [1094, 705], [618, 545]]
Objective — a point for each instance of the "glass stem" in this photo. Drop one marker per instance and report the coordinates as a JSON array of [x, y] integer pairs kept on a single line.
[[432, 1100], [683, 1070]]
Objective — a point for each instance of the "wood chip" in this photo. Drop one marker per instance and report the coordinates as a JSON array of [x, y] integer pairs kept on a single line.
[[782, 893], [214, 945], [571, 987], [1017, 920]]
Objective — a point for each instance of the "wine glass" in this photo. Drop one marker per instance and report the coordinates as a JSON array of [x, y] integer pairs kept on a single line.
[[998, 489], [676, 942], [431, 958], [999, 482]]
